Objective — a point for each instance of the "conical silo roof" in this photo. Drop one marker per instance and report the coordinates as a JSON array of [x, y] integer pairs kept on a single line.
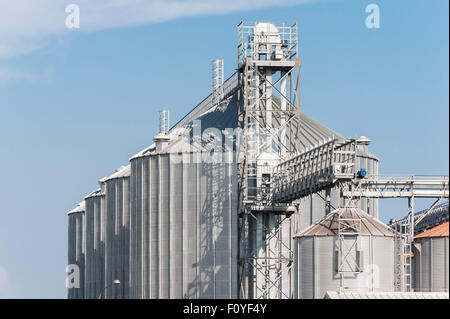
[[98, 192], [312, 133], [121, 172], [81, 208], [438, 231], [328, 225]]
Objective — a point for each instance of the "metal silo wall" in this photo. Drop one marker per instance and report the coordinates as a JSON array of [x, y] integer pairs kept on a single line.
[[176, 231], [117, 237], [71, 250], [136, 239], [315, 264], [186, 210], [80, 259], [76, 253], [314, 207], [95, 254], [432, 265]]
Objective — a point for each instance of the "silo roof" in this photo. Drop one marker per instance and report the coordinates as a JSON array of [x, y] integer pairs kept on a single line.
[[438, 231], [81, 208], [98, 192], [121, 172], [328, 225], [223, 117]]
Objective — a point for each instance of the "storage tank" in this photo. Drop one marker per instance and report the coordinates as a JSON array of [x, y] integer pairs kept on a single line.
[[95, 254], [360, 259], [431, 259], [117, 232], [184, 211], [183, 227], [76, 237]]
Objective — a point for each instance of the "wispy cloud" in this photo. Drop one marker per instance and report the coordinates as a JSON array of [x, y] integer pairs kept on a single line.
[[24, 24]]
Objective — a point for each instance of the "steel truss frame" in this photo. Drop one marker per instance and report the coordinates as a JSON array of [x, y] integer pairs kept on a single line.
[[266, 127]]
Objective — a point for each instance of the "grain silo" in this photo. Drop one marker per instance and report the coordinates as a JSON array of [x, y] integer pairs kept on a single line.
[[213, 204], [95, 244], [117, 233], [348, 250], [183, 222], [76, 251], [431, 259]]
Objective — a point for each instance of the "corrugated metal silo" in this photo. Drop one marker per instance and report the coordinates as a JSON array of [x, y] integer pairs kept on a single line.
[[431, 259], [76, 252], [117, 233], [183, 227], [95, 254], [367, 258], [184, 213]]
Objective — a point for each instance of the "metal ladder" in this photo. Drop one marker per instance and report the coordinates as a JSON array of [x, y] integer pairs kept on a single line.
[[407, 260]]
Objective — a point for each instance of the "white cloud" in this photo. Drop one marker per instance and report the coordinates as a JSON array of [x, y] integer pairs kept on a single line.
[[25, 23], [3, 279]]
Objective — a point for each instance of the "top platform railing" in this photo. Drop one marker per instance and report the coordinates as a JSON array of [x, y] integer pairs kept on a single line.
[[261, 40]]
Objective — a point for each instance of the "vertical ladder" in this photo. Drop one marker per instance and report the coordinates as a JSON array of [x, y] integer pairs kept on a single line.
[[407, 260], [407, 244]]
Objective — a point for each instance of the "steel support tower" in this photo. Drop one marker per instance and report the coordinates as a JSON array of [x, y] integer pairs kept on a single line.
[[269, 116]]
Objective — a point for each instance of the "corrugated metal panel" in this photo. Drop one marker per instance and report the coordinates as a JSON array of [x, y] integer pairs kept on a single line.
[[71, 250], [95, 254], [180, 231], [431, 264], [328, 225], [184, 204], [306, 260], [316, 266], [76, 244], [438, 231], [136, 238], [117, 233], [312, 133]]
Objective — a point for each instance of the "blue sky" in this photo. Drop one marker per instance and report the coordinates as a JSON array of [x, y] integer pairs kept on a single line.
[[76, 104]]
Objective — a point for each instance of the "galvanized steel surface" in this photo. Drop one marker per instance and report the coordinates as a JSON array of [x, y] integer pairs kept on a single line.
[[183, 228], [95, 245], [316, 257], [76, 248], [117, 233], [315, 264], [328, 226], [183, 217], [431, 264]]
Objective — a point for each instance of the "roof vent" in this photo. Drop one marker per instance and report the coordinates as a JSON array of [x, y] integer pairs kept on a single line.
[[363, 140]]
